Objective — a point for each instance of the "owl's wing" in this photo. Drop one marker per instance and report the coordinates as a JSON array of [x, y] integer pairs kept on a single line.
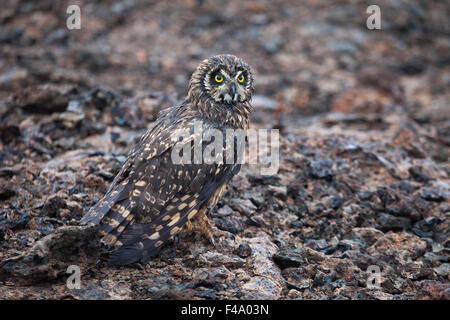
[[152, 197], [152, 144]]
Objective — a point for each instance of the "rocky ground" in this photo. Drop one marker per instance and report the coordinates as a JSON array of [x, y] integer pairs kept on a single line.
[[364, 121]]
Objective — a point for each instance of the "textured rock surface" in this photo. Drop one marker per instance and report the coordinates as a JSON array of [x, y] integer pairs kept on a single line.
[[364, 147], [51, 256]]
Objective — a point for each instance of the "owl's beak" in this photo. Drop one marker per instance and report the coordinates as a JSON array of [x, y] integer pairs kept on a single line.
[[231, 95], [233, 91]]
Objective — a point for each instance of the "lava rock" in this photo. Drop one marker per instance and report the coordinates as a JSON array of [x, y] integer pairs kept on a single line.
[[388, 222], [321, 169], [265, 180], [6, 193], [15, 224], [294, 258], [53, 205], [244, 250], [424, 228], [50, 256], [43, 99], [230, 224], [418, 174], [401, 245], [433, 195], [243, 206], [9, 133], [370, 235], [102, 98], [207, 294], [278, 191], [260, 287], [218, 259], [443, 270]]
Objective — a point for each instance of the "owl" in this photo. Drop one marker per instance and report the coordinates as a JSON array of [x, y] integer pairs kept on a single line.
[[153, 197]]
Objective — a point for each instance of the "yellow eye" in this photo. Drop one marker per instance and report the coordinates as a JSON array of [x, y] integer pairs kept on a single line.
[[241, 78], [218, 78]]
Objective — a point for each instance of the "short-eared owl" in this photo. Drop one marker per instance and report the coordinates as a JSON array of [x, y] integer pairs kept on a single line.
[[152, 198]]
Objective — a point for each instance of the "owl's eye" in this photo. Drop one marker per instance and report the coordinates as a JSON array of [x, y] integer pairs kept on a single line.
[[241, 78], [218, 78]]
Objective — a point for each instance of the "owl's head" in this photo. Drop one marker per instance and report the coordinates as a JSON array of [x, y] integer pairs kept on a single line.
[[223, 79]]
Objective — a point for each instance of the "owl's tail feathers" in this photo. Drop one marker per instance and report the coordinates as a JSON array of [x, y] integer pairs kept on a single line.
[[115, 222], [112, 217], [103, 207], [140, 241], [144, 240]]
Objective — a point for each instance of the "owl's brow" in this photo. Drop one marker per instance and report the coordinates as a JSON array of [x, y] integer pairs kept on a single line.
[[225, 74]]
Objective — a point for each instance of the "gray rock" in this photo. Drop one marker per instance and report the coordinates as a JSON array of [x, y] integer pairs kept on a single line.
[[389, 222], [230, 224], [260, 287], [400, 245], [261, 259], [244, 250], [218, 259], [50, 256], [370, 235], [434, 195], [443, 270], [243, 206], [296, 278], [279, 191], [321, 169], [430, 256], [289, 259], [43, 99]]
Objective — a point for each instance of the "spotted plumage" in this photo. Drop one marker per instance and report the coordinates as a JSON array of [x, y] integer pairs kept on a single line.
[[152, 198]]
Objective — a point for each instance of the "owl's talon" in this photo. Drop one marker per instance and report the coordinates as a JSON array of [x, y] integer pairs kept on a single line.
[[197, 237], [218, 232], [211, 240]]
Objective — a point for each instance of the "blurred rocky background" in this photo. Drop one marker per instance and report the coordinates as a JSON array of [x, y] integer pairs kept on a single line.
[[364, 121]]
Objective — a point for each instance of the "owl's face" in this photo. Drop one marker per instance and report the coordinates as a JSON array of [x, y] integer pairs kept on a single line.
[[228, 85], [225, 79]]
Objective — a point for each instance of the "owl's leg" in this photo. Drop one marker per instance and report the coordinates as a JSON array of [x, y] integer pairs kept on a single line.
[[188, 227], [202, 226], [199, 225], [186, 230]]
